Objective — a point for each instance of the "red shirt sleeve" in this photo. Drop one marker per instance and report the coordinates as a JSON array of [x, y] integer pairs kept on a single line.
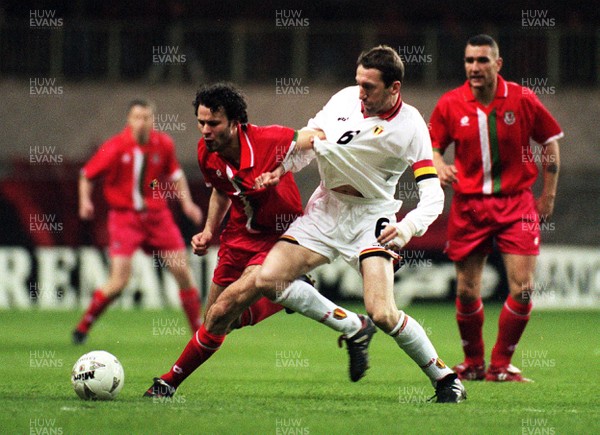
[[438, 126], [106, 156], [545, 127]]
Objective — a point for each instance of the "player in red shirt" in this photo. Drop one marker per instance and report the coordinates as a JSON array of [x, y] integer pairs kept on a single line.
[[137, 165], [231, 155], [491, 121]]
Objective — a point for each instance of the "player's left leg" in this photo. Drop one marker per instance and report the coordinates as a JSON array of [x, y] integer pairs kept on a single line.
[[120, 271], [513, 317], [278, 281], [177, 263], [470, 315], [228, 306], [378, 281]]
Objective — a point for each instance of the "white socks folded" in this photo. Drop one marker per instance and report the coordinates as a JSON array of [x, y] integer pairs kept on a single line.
[[305, 299], [412, 339]]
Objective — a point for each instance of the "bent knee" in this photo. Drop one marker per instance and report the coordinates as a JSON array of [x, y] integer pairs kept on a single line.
[[221, 311], [385, 319], [262, 280], [268, 283]]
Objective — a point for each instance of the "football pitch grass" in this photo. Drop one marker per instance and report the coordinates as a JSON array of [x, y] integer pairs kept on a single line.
[[287, 376]]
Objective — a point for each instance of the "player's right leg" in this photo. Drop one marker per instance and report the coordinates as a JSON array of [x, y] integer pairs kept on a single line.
[[470, 316], [227, 307], [120, 270], [378, 280], [277, 281], [469, 242]]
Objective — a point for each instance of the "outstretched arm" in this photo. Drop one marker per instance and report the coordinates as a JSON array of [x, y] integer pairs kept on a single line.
[[298, 157], [306, 138]]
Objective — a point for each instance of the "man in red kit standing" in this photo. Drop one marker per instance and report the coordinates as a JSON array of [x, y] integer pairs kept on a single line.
[[232, 154], [491, 121], [131, 163]]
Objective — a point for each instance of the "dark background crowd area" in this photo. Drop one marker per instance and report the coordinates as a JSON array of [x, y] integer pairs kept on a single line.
[[572, 13]]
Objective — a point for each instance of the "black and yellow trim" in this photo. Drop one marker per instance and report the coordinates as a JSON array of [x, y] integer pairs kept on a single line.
[[375, 252], [289, 239]]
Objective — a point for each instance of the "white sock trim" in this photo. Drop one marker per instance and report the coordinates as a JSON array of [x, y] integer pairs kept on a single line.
[[400, 326]]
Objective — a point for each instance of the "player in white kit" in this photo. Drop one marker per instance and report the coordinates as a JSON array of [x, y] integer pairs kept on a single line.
[[372, 136]]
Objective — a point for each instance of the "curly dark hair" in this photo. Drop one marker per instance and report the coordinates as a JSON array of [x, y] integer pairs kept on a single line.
[[385, 59], [223, 96]]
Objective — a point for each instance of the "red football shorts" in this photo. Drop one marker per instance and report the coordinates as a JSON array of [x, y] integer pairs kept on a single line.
[[237, 253], [151, 230], [476, 221]]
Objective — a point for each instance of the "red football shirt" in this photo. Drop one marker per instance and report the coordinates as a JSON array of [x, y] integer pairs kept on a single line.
[[131, 170], [492, 148], [255, 213]]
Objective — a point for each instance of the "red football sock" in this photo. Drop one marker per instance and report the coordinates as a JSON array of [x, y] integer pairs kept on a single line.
[[511, 324], [191, 305], [259, 311], [200, 348], [97, 305], [470, 325]]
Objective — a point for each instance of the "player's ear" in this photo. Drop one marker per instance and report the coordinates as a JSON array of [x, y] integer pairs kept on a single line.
[[396, 87], [499, 63]]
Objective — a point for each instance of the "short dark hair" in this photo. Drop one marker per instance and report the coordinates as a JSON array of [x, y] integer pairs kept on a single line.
[[223, 96], [483, 39], [140, 102], [385, 59]]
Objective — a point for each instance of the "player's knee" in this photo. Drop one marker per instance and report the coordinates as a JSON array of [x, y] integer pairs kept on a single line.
[[524, 294], [522, 287], [261, 282], [467, 297], [522, 283], [266, 283], [116, 285], [219, 313], [468, 290], [385, 319]]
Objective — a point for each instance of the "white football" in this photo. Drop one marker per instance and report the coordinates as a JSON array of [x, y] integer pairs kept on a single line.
[[97, 375]]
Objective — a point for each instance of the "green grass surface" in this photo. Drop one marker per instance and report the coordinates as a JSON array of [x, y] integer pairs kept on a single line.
[[287, 376]]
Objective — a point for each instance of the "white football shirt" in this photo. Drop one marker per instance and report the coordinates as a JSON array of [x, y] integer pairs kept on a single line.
[[371, 153]]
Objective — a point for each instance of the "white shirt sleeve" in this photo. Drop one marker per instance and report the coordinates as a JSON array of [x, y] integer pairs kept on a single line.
[[431, 205], [431, 194]]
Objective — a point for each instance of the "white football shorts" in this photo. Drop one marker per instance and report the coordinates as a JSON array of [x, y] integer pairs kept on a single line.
[[335, 225]]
